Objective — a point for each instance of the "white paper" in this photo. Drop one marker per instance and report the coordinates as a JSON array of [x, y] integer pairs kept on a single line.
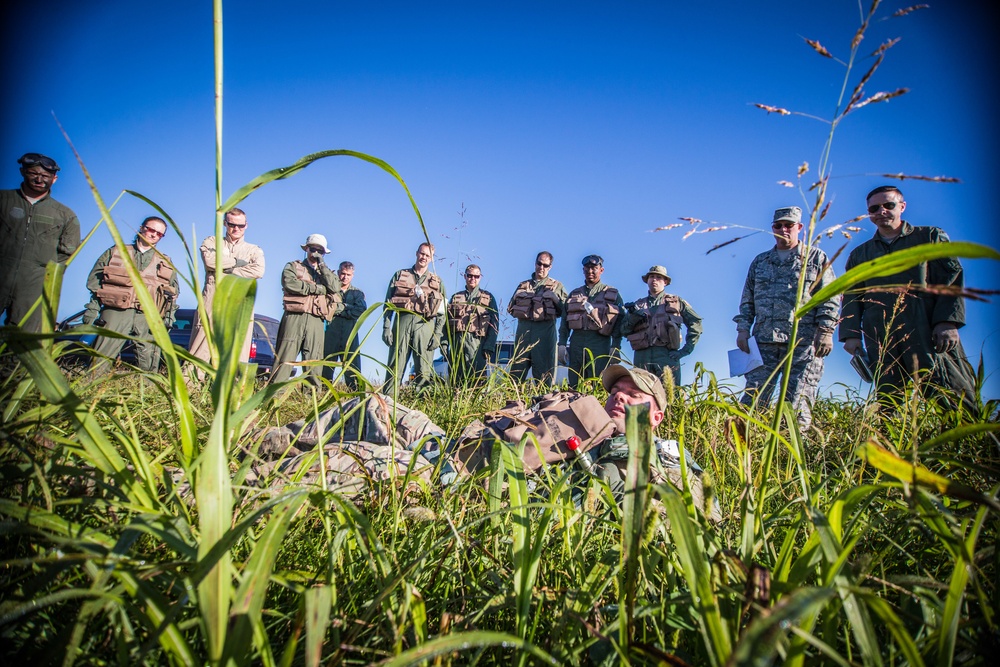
[[741, 363]]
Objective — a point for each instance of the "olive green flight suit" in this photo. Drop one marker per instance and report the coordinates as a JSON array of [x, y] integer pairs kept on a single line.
[[31, 236]]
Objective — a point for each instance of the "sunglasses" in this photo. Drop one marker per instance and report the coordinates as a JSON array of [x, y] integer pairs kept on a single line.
[[235, 226], [783, 225], [150, 230], [887, 205], [473, 276], [316, 248], [543, 265], [45, 162]]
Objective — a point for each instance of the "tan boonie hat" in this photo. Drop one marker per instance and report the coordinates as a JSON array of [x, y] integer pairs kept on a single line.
[[644, 380], [790, 213], [318, 240], [656, 270]]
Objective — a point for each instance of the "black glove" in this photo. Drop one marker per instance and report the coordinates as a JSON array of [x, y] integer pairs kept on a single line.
[[630, 307]]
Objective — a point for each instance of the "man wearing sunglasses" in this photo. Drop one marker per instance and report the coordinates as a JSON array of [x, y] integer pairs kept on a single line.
[[238, 258], [115, 306], [537, 304], [312, 297], [35, 229], [770, 297], [910, 330], [470, 341]]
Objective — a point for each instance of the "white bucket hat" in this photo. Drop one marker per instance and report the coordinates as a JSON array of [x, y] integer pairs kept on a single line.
[[318, 240]]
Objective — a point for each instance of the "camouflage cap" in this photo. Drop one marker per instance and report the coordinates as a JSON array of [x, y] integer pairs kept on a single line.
[[656, 270], [644, 380], [790, 213]]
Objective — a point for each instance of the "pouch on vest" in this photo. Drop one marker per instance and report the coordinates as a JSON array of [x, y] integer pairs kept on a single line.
[[552, 419]]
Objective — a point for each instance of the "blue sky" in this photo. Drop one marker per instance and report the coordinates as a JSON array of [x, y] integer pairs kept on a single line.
[[576, 127]]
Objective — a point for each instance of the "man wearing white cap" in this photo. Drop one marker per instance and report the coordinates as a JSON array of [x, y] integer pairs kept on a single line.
[[311, 297]]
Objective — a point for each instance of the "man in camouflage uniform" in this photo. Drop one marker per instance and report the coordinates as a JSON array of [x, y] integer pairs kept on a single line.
[[593, 315], [911, 330], [114, 305], [311, 298], [652, 325], [473, 323], [768, 305], [340, 345], [35, 229], [414, 330], [536, 304], [239, 258]]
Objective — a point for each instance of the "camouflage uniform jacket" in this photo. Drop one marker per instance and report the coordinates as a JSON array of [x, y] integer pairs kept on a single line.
[[768, 301]]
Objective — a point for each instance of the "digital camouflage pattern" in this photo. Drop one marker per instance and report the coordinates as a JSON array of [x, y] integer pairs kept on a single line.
[[768, 305]]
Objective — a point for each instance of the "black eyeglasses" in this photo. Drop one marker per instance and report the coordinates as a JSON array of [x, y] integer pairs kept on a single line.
[[45, 162], [543, 265], [473, 276], [783, 225], [235, 226], [887, 205]]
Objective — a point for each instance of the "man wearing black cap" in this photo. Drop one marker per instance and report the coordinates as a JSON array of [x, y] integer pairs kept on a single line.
[[35, 229], [593, 315]]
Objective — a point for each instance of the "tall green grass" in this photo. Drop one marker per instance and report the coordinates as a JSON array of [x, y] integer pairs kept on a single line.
[[131, 534]]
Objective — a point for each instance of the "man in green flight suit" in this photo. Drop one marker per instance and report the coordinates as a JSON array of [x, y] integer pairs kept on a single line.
[[114, 305], [311, 298], [413, 327], [35, 229], [473, 322], [593, 315], [340, 345], [536, 304], [913, 333], [652, 325]]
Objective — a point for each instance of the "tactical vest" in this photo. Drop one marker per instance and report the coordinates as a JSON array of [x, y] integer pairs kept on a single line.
[[552, 420], [326, 306], [662, 328], [117, 290], [425, 299], [472, 317], [535, 305], [602, 311]]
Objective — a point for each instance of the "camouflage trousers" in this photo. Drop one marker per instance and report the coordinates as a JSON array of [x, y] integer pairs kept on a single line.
[[803, 380]]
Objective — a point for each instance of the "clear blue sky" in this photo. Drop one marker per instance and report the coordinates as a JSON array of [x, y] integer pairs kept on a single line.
[[576, 127]]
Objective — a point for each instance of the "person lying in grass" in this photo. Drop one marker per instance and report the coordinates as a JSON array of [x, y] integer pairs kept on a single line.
[[364, 437]]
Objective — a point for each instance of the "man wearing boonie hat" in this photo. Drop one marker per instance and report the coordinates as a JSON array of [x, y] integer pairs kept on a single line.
[[592, 325], [652, 325], [311, 298], [768, 305], [35, 229]]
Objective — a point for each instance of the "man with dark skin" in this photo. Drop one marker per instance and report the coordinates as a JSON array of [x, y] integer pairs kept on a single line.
[[35, 229], [592, 325], [910, 332]]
